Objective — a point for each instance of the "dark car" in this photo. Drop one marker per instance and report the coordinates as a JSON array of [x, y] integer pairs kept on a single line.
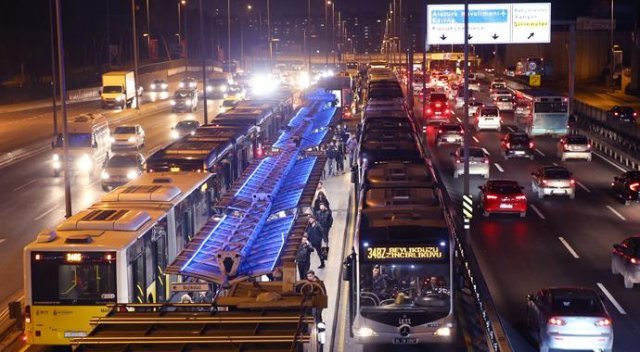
[[517, 144], [449, 133], [184, 100], [623, 113], [625, 260], [159, 85], [187, 83], [626, 186], [184, 128]]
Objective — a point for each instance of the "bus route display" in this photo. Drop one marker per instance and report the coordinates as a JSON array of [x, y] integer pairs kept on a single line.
[[395, 253]]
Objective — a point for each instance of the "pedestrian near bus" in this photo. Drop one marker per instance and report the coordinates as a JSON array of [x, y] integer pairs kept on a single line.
[[303, 257], [324, 217], [352, 145], [316, 235], [340, 158], [331, 158], [320, 199]]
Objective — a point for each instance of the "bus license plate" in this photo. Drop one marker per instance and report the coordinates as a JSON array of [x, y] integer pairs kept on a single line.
[[404, 341]]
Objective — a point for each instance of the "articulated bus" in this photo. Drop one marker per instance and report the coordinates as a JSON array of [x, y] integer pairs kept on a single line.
[[401, 287], [114, 251], [542, 113]]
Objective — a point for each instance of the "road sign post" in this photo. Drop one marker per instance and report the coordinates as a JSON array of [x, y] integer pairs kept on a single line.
[[534, 80], [467, 210]]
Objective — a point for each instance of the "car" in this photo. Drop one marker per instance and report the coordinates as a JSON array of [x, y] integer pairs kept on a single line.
[[227, 105], [622, 113], [517, 144], [184, 100], [499, 80], [478, 162], [127, 137], [437, 109], [626, 186], [497, 86], [474, 105], [460, 98], [488, 118], [188, 82], [159, 85], [120, 169], [574, 146], [625, 260], [474, 84], [217, 88], [184, 128], [236, 92], [553, 180], [569, 318], [499, 92], [449, 133], [504, 102], [510, 71], [502, 196]]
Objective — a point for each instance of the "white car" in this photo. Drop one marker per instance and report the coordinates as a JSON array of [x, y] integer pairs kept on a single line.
[[474, 106], [474, 84], [553, 180], [569, 318], [625, 260], [574, 146], [127, 137], [120, 169], [478, 162], [488, 118]]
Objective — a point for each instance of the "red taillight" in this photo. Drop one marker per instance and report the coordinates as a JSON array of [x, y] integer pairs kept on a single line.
[[438, 105], [635, 114], [615, 113], [27, 314], [544, 182], [459, 160], [485, 160], [440, 130], [589, 146], [573, 182], [556, 321], [634, 261], [446, 111], [429, 111], [521, 197], [530, 145], [508, 145], [634, 186], [492, 196], [603, 322]]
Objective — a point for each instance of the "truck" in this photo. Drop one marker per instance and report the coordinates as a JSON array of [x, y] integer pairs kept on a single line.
[[118, 90], [218, 83]]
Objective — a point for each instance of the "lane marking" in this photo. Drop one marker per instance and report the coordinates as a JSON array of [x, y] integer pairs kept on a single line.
[[533, 206], [476, 139], [2, 240], [45, 214], [568, 246], [610, 297], [540, 152], [510, 129], [583, 186], [555, 164], [25, 185], [457, 118], [610, 162], [616, 212], [486, 151], [498, 167]]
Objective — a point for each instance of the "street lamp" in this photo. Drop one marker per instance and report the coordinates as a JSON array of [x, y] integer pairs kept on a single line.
[[611, 49], [229, 34], [242, 64], [180, 4], [269, 35]]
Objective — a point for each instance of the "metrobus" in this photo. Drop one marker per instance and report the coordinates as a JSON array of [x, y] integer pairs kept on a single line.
[[116, 251], [400, 274], [353, 68], [539, 112]]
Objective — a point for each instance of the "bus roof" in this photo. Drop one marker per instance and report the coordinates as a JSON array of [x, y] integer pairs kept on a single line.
[[538, 93], [398, 174], [158, 187], [402, 224]]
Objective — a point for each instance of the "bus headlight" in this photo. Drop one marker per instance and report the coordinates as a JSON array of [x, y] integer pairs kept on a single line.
[[131, 175], [152, 86], [119, 98], [187, 103], [104, 175], [174, 134], [209, 88], [365, 332], [84, 163], [56, 157], [445, 331]]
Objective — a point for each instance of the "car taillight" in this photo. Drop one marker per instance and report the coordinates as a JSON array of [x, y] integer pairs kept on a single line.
[[603, 322], [440, 130], [492, 196], [634, 186], [615, 113], [485, 160], [459, 160], [521, 197], [573, 182], [429, 111], [544, 182], [508, 145], [438, 105], [556, 321], [446, 111], [27, 314], [635, 114], [634, 261], [589, 146], [531, 145]]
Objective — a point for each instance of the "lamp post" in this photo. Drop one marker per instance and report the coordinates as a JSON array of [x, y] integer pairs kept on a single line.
[[229, 35], [326, 32], [269, 35], [611, 50], [135, 53], [179, 35], [53, 68], [204, 69], [242, 63], [148, 30]]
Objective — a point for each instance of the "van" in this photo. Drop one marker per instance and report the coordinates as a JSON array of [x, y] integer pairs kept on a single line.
[[488, 118], [89, 142]]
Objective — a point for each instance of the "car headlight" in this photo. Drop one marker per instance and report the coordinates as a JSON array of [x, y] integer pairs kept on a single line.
[[174, 134], [56, 157], [112, 140], [132, 174], [192, 84], [173, 102], [57, 165], [209, 88], [152, 86], [365, 332], [85, 163], [223, 88], [181, 85], [192, 133], [104, 174], [188, 103], [444, 331], [164, 86], [131, 139], [119, 98]]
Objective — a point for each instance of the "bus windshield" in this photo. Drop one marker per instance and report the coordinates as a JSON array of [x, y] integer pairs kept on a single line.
[[76, 140], [73, 278], [404, 286], [550, 107]]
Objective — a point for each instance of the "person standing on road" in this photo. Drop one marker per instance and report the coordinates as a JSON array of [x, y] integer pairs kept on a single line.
[[303, 257], [316, 234], [352, 144], [323, 216]]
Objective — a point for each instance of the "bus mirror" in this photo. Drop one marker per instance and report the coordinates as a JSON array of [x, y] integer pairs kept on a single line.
[[347, 267]]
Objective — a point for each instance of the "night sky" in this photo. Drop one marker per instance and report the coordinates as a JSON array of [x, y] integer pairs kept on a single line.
[[25, 41]]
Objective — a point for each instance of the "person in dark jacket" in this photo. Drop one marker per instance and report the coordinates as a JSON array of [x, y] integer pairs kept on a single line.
[[320, 199], [323, 216], [316, 234], [303, 257]]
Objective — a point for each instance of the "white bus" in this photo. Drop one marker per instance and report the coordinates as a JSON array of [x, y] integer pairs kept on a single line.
[[540, 112], [116, 251], [89, 144]]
